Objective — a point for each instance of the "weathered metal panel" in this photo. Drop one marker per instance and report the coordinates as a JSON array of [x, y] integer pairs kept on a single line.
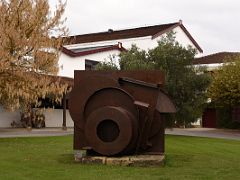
[[118, 112]]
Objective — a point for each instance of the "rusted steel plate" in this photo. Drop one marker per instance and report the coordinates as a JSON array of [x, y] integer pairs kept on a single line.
[[119, 112]]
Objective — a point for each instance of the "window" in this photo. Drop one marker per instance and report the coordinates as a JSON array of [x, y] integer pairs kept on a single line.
[[90, 64]]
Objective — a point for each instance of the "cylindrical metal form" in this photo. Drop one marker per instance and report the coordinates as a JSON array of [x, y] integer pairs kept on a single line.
[[109, 130]]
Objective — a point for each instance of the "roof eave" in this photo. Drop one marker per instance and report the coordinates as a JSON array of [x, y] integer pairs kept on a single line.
[[73, 54]]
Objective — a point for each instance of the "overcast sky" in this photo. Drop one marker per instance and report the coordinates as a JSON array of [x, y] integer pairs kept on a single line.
[[214, 24]]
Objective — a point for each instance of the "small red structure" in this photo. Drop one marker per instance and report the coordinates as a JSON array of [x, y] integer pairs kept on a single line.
[[209, 118]]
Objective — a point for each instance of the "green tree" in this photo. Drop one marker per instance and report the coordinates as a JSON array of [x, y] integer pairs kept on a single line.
[[109, 64], [28, 53], [135, 59], [185, 84], [225, 88]]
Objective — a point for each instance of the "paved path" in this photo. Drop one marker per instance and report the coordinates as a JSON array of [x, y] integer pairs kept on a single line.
[[22, 132], [200, 132], [206, 132]]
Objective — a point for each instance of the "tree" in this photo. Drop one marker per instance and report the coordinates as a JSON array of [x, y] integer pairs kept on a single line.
[[109, 64], [135, 59], [185, 84], [225, 88], [28, 53]]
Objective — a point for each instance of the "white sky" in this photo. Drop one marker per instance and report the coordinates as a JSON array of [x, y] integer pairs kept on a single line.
[[214, 24]]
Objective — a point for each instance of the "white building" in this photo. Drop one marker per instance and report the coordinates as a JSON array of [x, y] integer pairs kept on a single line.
[[87, 50]]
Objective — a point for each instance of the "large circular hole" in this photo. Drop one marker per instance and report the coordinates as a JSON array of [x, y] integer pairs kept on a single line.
[[108, 130]]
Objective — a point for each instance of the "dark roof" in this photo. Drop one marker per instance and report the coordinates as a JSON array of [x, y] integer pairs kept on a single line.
[[92, 50], [220, 57], [153, 31]]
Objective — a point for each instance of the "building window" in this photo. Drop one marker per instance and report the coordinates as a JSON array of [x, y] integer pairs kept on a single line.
[[90, 64]]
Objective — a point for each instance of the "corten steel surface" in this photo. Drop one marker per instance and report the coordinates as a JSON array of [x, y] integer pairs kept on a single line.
[[119, 112]]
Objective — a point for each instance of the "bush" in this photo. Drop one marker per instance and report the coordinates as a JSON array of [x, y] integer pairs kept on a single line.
[[224, 118]]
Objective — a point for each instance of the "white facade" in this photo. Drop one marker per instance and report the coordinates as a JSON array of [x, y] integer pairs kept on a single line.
[[210, 67], [6, 118], [53, 118], [68, 64]]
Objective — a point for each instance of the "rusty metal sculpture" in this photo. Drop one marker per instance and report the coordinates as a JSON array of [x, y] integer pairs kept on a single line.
[[119, 112]]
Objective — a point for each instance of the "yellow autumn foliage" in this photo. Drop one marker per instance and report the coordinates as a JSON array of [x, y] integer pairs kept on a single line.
[[28, 52], [225, 88]]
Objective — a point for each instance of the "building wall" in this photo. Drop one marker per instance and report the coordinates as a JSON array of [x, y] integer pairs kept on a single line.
[[182, 38], [210, 67], [54, 118], [6, 118], [68, 64]]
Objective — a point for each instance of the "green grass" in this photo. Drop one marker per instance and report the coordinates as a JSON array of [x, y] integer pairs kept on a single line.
[[52, 158]]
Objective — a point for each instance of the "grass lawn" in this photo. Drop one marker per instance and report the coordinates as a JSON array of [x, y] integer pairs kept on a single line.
[[52, 158]]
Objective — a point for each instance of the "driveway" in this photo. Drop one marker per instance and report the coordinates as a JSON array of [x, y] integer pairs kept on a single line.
[[206, 132], [22, 132], [199, 132]]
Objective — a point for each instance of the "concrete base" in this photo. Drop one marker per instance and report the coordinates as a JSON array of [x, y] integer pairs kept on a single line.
[[137, 160]]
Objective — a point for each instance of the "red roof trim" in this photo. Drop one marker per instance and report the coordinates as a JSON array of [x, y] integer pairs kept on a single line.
[[84, 53], [68, 52], [191, 38]]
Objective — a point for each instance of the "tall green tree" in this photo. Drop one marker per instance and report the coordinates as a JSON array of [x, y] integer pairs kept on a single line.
[[28, 53], [185, 84], [225, 88]]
